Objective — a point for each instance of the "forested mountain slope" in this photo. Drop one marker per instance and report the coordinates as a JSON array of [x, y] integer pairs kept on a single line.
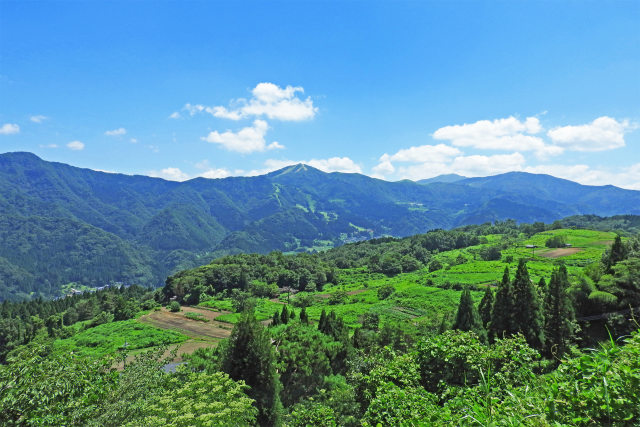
[[140, 229]]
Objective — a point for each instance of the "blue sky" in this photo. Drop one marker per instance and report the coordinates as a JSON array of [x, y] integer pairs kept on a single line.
[[390, 89]]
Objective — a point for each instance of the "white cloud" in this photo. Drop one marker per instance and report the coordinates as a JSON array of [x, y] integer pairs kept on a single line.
[[154, 148], [116, 132], [175, 115], [604, 133], [487, 165], [424, 154], [216, 173], [476, 165], [171, 174], [9, 129], [246, 140], [508, 134], [76, 145], [38, 118], [268, 100], [49, 146], [134, 140], [625, 177]]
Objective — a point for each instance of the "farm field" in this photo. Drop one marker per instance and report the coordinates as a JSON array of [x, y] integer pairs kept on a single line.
[[421, 299]]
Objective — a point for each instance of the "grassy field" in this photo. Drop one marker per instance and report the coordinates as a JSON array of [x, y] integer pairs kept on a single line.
[[110, 338], [422, 298]]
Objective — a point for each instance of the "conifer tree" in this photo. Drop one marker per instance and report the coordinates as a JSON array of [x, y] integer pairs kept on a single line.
[[616, 254], [559, 315], [304, 319], [292, 314], [467, 318], [486, 304], [275, 320], [284, 315], [323, 321], [248, 355], [527, 311], [501, 325]]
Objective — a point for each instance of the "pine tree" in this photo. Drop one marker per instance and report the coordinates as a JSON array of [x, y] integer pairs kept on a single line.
[[284, 316], [467, 316], [292, 314], [616, 254], [501, 325], [322, 323], [248, 355], [559, 318], [275, 320], [304, 319], [486, 304], [527, 311]]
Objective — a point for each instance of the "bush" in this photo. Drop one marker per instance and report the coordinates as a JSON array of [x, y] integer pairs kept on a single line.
[[556, 242], [385, 291], [174, 306]]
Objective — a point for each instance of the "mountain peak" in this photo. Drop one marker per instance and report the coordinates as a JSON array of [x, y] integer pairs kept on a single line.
[[299, 168]]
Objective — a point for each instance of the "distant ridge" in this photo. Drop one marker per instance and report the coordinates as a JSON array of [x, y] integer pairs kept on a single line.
[[447, 178], [61, 224]]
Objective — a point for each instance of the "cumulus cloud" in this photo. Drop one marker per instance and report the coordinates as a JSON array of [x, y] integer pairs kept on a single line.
[[215, 173], [38, 118], [510, 134], [476, 165], [175, 115], [624, 177], [9, 129], [604, 133], [268, 100], [424, 154], [116, 132], [246, 140], [171, 174], [76, 145]]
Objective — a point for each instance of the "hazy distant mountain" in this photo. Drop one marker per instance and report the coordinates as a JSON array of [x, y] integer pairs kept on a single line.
[[450, 177], [61, 224]]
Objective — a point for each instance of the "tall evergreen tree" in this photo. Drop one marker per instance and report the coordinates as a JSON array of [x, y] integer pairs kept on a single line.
[[304, 318], [323, 321], [527, 314], [486, 304], [248, 355], [284, 315], [275, 319], [467, 318], [616, 254], [502, 311], [559, 315]]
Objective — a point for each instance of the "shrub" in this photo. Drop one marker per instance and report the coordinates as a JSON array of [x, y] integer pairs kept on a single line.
[[385, 292], [174, 306]]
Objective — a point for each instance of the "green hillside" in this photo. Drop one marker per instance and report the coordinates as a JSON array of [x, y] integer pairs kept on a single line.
[[382, 331], [136, 229]]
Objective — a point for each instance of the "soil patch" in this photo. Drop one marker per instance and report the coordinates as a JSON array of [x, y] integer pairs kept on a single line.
[[165, 319], [557, 253], [187, 347]]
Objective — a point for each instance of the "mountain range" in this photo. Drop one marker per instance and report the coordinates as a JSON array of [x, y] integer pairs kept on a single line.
[[61, 224]]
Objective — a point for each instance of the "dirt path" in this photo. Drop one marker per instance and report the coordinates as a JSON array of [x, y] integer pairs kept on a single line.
[[557, 253]]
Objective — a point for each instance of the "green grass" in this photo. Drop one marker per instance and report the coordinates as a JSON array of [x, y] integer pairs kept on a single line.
[[109, 338]]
